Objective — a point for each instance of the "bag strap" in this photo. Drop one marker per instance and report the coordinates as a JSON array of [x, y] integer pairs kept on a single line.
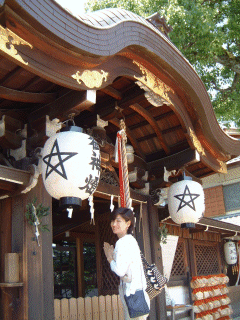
[[144, 259]]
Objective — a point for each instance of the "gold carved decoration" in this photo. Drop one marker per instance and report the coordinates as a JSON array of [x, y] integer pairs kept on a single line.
[[197, 143], [91, 79], [9, 43], [223, 167], [155, 84]]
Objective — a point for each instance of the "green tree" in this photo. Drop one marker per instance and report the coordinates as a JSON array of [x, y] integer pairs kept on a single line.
[[207, 32]]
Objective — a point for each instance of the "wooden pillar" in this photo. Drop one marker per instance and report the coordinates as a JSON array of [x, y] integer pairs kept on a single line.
[[160, 301], [37, 274], [98, 257], [5, 247], [18, 245], [80, 267], [143, 239], [147, 252]]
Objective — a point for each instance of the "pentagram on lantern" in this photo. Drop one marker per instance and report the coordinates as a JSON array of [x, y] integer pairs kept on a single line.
[[187, 194], [50, 158]]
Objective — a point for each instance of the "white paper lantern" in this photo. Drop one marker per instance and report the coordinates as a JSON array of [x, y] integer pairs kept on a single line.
[[186, 202], [230, 252], [71, 165]]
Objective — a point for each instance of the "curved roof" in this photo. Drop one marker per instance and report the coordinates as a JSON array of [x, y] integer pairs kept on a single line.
[[129, 62]]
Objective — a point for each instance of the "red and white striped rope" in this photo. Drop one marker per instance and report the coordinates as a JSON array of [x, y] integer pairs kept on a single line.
[[123, 167]]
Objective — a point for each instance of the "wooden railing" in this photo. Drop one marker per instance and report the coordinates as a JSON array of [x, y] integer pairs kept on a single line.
[[95, 308]]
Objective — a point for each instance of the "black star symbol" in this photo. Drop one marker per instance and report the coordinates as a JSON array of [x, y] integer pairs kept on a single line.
[[47, 159], [189, 203]]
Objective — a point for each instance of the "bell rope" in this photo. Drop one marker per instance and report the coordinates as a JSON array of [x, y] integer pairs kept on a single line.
[[123, 166]]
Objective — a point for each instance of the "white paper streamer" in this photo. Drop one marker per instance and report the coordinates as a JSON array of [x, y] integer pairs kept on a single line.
[[116, 150], [70, 211], [112, 205], [90, 201], [36, 224], [131, 205]]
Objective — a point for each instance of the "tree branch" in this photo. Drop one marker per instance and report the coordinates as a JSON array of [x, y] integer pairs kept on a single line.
[[230, 89], [229, 60]]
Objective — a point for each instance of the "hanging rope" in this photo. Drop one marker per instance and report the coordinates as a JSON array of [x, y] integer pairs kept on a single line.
[[123, 166]]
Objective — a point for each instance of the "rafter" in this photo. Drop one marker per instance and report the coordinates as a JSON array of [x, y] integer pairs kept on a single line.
[[112, 92], [22, 96], [145, 114], [145, 122], [154, 135], [10, 75], [131, 137]]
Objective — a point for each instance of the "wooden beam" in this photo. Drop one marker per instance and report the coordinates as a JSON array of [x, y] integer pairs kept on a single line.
[[176, 147], [197, 230], [175, 161], [109, 111], [145, 114], [8, 187], [105, 190], [82, 235], [73, 102], [22, 96], [112, 92], [14, 175], [131, 137]]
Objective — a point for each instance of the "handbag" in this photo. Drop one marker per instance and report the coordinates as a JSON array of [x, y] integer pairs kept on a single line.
[[155, 280], [137, 304]]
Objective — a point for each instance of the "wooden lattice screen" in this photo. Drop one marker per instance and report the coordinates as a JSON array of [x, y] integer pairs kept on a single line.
[[109, 280], [179, 262], [207, 257]]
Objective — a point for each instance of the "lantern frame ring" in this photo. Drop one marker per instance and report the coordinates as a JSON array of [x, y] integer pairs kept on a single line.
[[71, 119]]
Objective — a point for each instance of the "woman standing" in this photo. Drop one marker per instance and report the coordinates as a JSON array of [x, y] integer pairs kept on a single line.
[[125, 259]]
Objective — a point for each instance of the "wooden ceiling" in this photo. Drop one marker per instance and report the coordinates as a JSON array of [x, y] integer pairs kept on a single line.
[[38, 71]]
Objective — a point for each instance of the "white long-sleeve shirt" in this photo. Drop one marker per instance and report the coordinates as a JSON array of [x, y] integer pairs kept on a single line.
[[127, 264]]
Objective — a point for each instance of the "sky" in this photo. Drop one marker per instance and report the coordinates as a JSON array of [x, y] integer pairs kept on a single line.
[[75, 6]]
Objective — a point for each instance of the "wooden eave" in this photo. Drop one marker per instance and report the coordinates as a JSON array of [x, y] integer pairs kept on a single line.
[[114, 64], [207, 224]]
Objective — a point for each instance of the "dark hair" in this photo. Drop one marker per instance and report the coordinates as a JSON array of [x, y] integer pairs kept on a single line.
[[127, 215]]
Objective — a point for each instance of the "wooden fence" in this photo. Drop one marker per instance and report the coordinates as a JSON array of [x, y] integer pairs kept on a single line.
[[95, 308]]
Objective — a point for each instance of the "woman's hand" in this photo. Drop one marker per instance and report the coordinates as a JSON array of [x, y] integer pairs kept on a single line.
[[108, 250]]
